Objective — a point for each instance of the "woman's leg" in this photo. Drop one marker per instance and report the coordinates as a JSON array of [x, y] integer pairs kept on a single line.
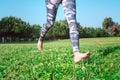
[[51, 6], [70, 13]]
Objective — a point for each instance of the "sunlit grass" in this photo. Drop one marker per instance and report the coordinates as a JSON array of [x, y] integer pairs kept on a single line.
[[24, 61]]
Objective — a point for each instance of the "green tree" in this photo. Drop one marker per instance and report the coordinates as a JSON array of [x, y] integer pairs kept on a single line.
[[114, 29], [89, 32], [106, 21], [35, 33], [60, 30], [118, 29], [13, 27], [100, 32]]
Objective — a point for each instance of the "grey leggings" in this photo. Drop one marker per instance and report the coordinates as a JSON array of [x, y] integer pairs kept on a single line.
[[69, 7]]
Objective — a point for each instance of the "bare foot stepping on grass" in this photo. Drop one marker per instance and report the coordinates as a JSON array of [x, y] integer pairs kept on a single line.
[[80, 56]]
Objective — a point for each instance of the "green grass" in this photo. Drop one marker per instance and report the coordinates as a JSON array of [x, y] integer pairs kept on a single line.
[[23, 61]]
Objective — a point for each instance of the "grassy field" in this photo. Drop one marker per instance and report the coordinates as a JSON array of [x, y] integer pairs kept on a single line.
[[23, 61]]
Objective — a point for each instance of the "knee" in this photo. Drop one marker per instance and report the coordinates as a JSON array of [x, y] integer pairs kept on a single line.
[[73, 29], [74, 33]]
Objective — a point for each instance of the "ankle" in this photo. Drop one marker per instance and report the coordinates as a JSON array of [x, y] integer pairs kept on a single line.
[[76, 53]]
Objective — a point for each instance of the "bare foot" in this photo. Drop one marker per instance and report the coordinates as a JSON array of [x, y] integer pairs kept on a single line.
[[40, 45], [80, 56]]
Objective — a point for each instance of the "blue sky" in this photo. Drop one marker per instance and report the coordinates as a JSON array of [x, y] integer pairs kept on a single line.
[[89, 12]]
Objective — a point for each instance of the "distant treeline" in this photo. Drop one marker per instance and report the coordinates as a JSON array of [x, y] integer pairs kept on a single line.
[[15, 29]]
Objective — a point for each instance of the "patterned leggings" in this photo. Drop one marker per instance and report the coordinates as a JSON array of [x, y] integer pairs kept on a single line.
[[69, 7]]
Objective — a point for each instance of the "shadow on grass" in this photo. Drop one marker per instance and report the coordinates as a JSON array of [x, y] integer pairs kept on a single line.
[[100, 54], [108, 50]]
